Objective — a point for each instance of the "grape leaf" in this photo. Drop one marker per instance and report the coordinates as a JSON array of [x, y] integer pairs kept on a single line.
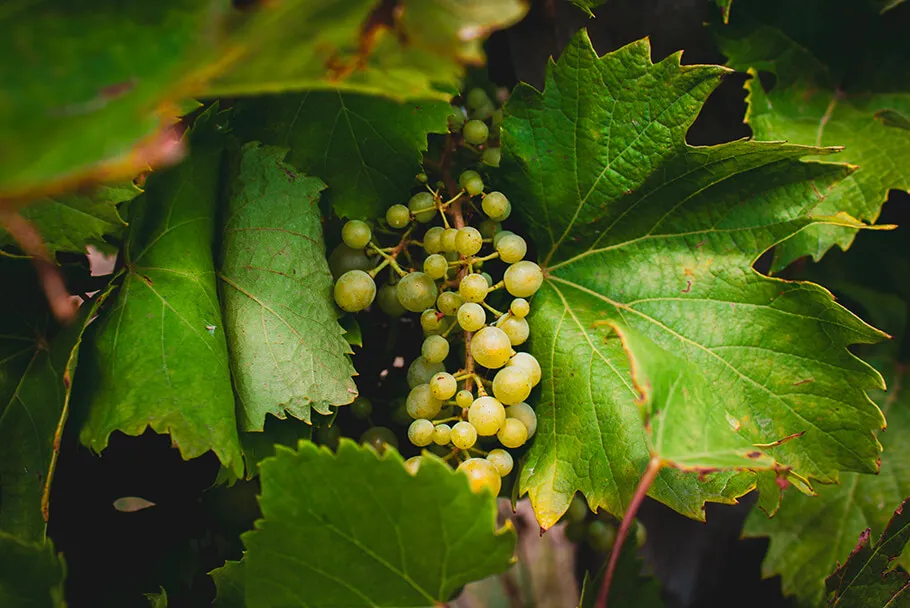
[[835, 85], [158, 356], [157, 600], [350, 529], [367, 150], [811, 534], [640, 230], [866, 579], [31, 574], [724, 6], [587, 6], [230, 583]]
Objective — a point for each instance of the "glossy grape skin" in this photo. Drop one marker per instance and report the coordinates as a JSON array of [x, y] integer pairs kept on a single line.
[[398, 216], [456, 120], [361, 408], [491, 347], [420, 433], [354, 291], [449, 302], [500, 235], [475, 132], [471, 182], [442, 434], [378, 438], [487, 415], [423, 206], [511, 248], [512, 385], [481, 474], [464, 398], [495, 205], [471, 316], [463, 435], [601, 536], [488, 228], [525, 413], [518, 330], [520, 308], [473, 288], [529, 363], [432, 240], [443, 386], [476, 98], [435, 266], [491, 156], [430, 321], [513, 433], [523, 279], [447, 240], [388, 301], [502, 460], [417, 291], [435, 349], [422, 371], [343, 259], [412, 464], [421, 403], [356, 234], [468, 241]]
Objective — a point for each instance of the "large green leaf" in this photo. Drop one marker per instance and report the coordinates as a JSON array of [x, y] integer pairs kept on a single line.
[[31, 574], [356, 529], [868, 579], [288, 352], [231, 585], [810, 535], [843, 84], [367, 150], [641, 231], [158, 357]]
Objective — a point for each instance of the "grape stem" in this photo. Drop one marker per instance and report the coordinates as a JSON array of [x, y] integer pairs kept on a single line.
[[389, 260], [495, 312]]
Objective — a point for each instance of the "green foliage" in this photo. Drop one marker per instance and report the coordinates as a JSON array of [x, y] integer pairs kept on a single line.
[[632, 588], [364, 542], [837, 85], [31, 574], [229, 579]]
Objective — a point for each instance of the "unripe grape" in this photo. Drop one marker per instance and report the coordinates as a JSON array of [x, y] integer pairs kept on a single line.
[[378, 438], [435, 266], [483, 112], [513, 433], [443, 386], [388, 301], [421, 403], [491, 156], [523, 279], [463, 435], [468, 241], [511, 248], [456, 121], [473, 288], [526, 414], [422, 371], [488, 228], [481, 474], [487, 415], [476, 98], [398, 216], [448, 240], [432, 240], [576, 531], [475, 132], [435, 349], [529, 363], [442, 434], [512, 385], [578, 510], [421, 432], [422, 177], [491, 347], [417, 291], [361, 408], [495, 205], [356, 234], [430, 321], [449, 302], [520, 308], [354, 291], [499, 235], [471, 182], [343, 259], [471, 316], [423, 206], [517, 330], [488, 277], [412, 465], [601, 536], [329, 436], [502, 460], [464, 398]]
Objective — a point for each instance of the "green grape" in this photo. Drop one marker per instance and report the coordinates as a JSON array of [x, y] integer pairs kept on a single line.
[[398, 216], [502, 460], [430, 322], [422, 177], [495, 205], [523, 279], [464, 398], [443, 386], [449, 302], [511, 248], [475, 132], [417, 291], [421, 371], [456, 120], [511, 385], [578, 510], [488, 277], [483, 112], [471, 182], [343, 259], [329, 436], [435, 266], [473, 288], [491, 156], [356, 234], [488, 228], [525, 413], [513, 433], [520, 308], [442, 434], [412, 465], [486, 414], [491, 347], [448, 239], [451, 256], [499, 235], [481, 474], [420, 433], [354, 291], [517, 330], [467, 175], [378, 438], [529, 363], [464, 435], [601, 536], [435, 349], [468, 241], [576, 531], [476, 98], [388, 301], [421, 403], [432, 240], [361, 408], [423, 206]]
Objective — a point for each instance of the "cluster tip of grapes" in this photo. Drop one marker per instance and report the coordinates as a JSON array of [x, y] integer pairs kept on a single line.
[[436, 269]]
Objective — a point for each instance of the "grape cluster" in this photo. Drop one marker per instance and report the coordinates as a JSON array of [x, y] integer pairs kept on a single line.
[[469, 386], [599, 531]]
